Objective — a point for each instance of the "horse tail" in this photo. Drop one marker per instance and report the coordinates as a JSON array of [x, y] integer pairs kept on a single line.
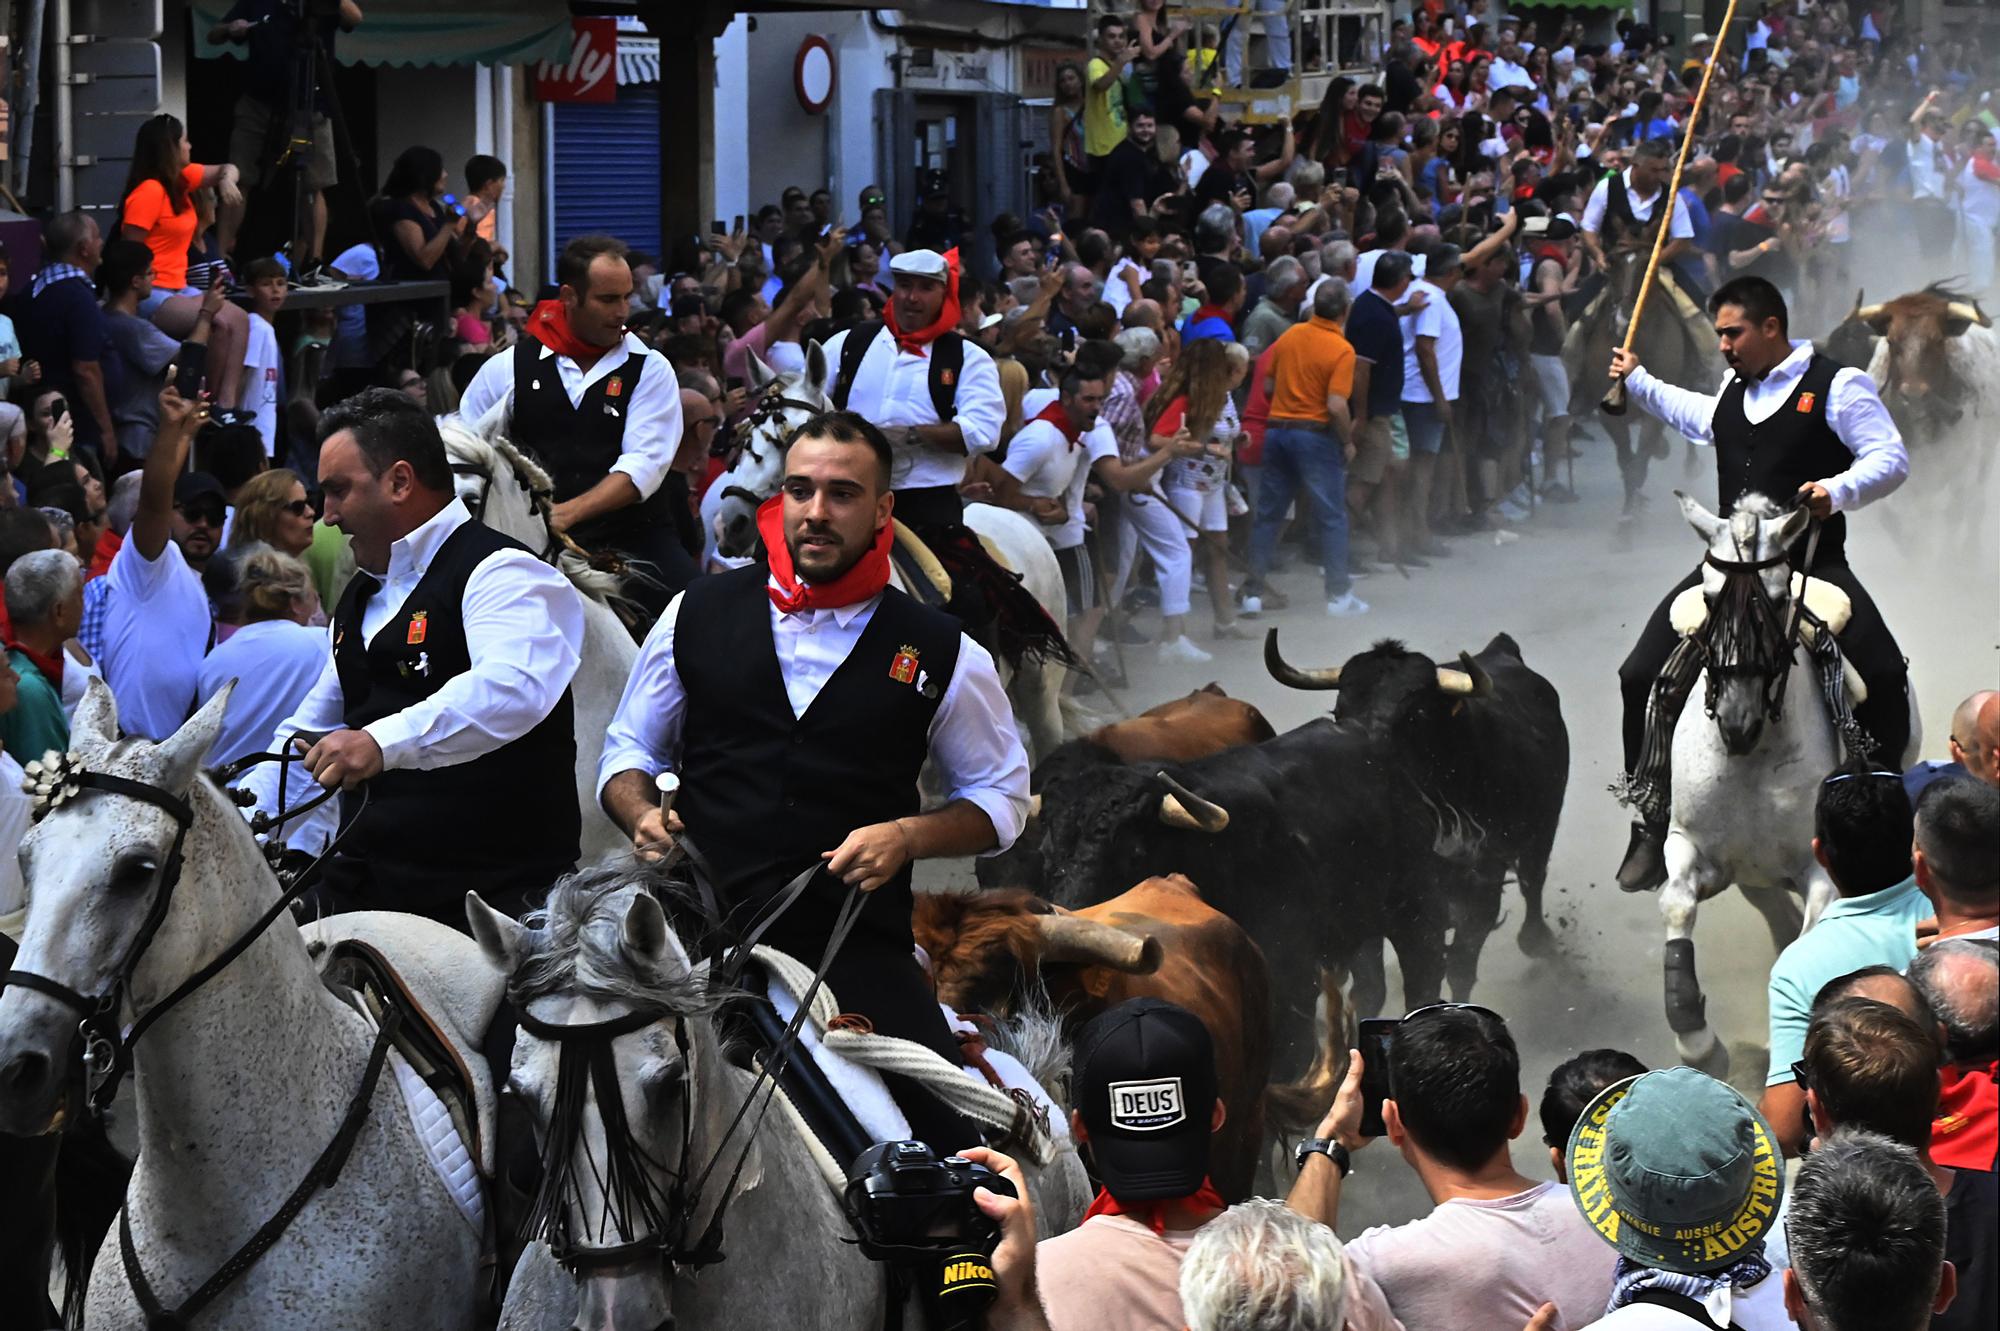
[[90, 1188]]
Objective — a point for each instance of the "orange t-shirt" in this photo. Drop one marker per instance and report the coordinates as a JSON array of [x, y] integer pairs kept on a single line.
[[1314, 362], [168, 233]]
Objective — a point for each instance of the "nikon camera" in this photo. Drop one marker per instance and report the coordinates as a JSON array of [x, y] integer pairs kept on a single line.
[[915, 1211]]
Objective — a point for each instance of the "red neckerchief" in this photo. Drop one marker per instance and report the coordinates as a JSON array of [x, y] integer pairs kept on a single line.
[[865, 580], [1055, 415], [107, 550], [1154, 1213], [947, 315], [50, 666], [549, 325], [1550, 250], [1209, 312]]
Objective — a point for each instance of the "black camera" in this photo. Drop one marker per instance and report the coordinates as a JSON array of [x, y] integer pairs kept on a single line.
[[903, 1201]]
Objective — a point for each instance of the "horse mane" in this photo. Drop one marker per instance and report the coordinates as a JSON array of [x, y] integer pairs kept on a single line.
[[575, 944], [485, 442]]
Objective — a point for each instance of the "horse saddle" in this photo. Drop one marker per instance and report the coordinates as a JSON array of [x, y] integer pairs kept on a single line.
[[448, 994], [1825, 603], [924, 576]]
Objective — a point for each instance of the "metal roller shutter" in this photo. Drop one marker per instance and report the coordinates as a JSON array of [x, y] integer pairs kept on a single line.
[[607, 169]]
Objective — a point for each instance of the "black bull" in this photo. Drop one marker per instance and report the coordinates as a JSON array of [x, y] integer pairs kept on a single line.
[[1336, 836]]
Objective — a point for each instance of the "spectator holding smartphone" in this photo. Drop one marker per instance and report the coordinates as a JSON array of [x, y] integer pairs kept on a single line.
[[140, 350]]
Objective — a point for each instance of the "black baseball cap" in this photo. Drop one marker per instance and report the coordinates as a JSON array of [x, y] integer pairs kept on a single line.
[[1145, 1085], [192, 485]]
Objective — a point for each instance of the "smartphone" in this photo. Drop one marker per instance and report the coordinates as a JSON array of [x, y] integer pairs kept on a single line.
[[188, 380], [56, 412], [1373, 1041], [451, 202], [1054, 259], [739, 223], [716, 227], [733, 382]]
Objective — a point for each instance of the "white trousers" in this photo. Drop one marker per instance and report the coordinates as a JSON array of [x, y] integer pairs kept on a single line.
[[1149, 522], [1277, 41]]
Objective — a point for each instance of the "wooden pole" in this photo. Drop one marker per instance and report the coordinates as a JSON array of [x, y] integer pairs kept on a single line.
[[1614, 401]]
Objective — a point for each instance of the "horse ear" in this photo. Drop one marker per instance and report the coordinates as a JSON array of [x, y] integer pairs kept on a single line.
[[96, 721], [1706, 525], [816, 366], [183, 752], [501, 937], [646, 930], [760, 374]]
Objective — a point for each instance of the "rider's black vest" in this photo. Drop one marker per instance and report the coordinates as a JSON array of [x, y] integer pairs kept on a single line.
[[947, 363], [1619, 219], [763, 792], [578, 442], [1791, 447], [507, 819]]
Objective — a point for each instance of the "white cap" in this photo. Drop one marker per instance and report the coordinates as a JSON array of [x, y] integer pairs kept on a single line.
[[989, 321], [920, 263], [1701, 38]]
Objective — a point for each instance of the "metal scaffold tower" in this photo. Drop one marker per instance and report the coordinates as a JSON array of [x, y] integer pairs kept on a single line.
[[1264, 59]]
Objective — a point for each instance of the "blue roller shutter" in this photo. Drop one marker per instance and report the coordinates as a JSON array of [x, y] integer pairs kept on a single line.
[[607, 169]]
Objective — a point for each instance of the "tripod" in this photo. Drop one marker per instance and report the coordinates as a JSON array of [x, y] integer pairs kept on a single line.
[[311, 71]]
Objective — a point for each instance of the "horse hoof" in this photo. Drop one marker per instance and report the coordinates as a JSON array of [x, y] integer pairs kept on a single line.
[[1536, 939]]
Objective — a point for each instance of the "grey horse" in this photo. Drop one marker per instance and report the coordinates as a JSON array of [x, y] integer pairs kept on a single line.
[[239, 1087], [600, 950]]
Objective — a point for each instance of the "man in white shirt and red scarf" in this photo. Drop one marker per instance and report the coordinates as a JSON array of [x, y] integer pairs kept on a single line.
[[600, 409], [798, 702]]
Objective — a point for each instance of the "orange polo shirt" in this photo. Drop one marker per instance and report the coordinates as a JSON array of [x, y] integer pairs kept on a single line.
[[1310, 363]]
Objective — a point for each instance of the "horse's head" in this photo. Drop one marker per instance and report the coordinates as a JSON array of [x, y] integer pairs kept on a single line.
[[1746, 579], [100, 936], [502, 486], [618, 1065], [783, 404]]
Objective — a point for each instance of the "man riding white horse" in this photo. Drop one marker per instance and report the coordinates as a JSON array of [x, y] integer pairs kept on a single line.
[[1788, 421], [798, 703]]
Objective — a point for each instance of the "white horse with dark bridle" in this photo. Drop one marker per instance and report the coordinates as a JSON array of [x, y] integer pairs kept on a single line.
[[1746, 775], [510, 492], [789, 401], [682, 1203], [281, 1180]]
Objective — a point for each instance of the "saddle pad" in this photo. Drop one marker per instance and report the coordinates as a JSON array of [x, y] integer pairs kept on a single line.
[[443, 1146], [920, 566], [1689, 613]]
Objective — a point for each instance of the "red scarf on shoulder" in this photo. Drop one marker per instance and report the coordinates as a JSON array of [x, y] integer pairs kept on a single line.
[[866, 579], [947, 315], [1154, 1213], [1055, 415], [549, 325]]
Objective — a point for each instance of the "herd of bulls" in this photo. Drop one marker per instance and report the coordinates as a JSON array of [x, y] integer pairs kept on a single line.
[[1269, 867]]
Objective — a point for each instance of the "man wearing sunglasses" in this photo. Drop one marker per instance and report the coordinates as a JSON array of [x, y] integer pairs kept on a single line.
[[157, 623]]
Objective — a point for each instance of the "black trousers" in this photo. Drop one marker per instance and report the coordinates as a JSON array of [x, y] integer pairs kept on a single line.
[[1866, 642], [880, 980]]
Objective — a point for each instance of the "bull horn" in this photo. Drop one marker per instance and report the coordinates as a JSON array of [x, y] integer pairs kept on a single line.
[[1482, 683], [1292, 677], [1181, 807], [1870, 313], [1074, 940], [1966, 310], [1034, 806]]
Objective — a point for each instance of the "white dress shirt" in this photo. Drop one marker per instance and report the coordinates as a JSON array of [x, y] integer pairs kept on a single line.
[[1642, 208], [974, 744], [652, 411], [1854, 410], [892, 388], [156, 629], [523, 631]]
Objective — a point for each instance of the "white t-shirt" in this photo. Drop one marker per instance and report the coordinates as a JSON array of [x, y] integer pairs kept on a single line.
[[156, 630], [1116, 294], [1048, 466], [261, 367], [1439, 320], [1761, 1307]]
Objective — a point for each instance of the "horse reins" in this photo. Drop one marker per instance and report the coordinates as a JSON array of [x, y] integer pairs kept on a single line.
[[1742, 587]]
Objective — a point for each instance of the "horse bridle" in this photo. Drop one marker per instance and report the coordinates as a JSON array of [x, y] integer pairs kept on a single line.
[[649, 1225], [1766, 647], [104, 1048], [770, 409]]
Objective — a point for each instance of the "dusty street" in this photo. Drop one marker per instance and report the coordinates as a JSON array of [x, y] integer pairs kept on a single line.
[[1572, 590]]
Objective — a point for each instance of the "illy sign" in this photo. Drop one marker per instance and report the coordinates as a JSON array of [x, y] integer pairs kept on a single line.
[[591, 74]]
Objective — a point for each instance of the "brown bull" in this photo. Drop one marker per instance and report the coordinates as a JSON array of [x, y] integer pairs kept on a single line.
[[1157, 940], [1923, 366], [1206, 721]]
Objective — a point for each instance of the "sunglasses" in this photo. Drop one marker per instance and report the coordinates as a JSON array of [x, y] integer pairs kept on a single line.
[[208, 514], [1454, 1007], [1838, 777], [1799, 1075], [298, 508]]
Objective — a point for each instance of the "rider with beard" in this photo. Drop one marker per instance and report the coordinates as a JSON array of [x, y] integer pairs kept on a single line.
[[1788, 422], [798, 702]]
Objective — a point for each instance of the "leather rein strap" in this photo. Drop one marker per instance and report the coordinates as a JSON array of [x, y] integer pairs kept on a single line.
[[324, 1173]]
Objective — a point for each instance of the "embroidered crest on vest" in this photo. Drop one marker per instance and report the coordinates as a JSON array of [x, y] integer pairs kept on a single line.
[[904, 668], [419, 626], [1806, 403]]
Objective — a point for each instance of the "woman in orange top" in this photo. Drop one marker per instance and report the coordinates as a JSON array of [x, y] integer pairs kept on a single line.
[[159, 214]]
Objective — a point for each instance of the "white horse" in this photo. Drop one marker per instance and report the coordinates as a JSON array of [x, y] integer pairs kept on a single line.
[[1745, 782], [603, 955], [509, 492], [792, 399], [241, 1086]]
